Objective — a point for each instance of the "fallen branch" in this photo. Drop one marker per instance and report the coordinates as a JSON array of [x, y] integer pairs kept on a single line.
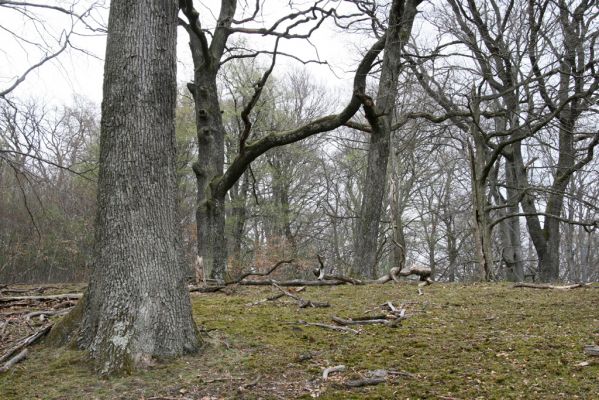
[[320, 274], [25, 343], [206, 289], [331, 327], [330, 370], [39, 289], [543, 286], [400, 313], [301, 302], [294, 282], [273, 298], [368, 321], [68, 296], [16, 359]]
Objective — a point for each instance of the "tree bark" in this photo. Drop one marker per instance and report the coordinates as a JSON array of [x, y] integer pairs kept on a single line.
[[380, 117], [480, 203], [136, 306], [210, 216]]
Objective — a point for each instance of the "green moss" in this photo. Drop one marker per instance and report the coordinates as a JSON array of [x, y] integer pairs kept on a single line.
[[462, 341], [64, 330]]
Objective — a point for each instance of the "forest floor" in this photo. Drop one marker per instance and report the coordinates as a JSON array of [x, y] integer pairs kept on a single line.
[[477, 341]]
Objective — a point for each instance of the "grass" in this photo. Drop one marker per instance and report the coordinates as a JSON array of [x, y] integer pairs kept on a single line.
[[483, 341]]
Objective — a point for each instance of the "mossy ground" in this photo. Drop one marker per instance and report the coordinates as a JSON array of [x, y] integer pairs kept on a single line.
[[483, 341]]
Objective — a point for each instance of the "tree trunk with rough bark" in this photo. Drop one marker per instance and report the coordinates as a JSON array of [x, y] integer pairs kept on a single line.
[[137, 306], [380, 117], [210, 217]]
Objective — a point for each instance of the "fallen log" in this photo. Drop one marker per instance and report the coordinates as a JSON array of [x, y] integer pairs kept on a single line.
[[547, 286]]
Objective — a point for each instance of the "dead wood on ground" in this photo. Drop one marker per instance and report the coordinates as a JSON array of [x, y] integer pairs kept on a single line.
[[363, 382], [546, 286], [23, 343], [591, 350], [68, 296], [330, 370], [16, 359], [392, 323], [331, 327], [302, 302]]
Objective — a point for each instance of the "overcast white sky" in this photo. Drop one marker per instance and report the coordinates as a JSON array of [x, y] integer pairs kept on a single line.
[[75, 73]]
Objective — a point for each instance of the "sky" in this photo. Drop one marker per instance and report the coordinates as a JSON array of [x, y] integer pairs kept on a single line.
[[78, 72]]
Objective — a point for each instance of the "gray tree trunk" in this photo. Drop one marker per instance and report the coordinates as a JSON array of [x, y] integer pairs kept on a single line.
[[136, 306], [210, 216], [510, 228], [380, 118], [480, 203]]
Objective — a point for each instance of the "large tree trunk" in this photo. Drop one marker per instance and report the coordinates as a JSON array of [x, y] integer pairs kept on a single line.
[[136, 306], [210, 215], [380, 117]]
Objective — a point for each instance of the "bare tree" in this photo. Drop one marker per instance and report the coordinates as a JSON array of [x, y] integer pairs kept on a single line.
[[208, 57]]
